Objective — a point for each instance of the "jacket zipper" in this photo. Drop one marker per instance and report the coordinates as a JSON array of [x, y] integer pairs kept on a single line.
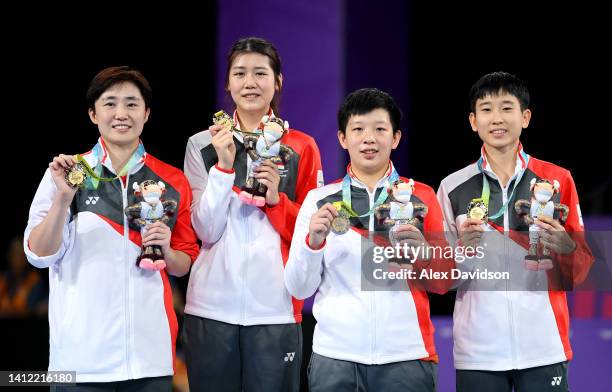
[[126, 236], [373, 292], [508, 292], [245, 266]]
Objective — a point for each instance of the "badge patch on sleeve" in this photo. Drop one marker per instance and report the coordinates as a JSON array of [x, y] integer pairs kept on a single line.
[[320, 181], [579, 214]]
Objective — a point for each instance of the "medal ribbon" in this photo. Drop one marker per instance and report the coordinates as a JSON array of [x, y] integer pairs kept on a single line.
[[345, 204], [222, 115], [94, 175], [486, 189]]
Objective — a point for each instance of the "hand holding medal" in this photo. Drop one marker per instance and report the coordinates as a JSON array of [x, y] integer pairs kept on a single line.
[[224, 121], [341, 223], [477, 209], [60, 167], [78, 174], [72, 172], [75, 176], [321, 224], [470, 230], [223, 139]]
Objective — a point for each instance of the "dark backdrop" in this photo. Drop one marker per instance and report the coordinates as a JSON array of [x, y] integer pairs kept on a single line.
[[50, 57]]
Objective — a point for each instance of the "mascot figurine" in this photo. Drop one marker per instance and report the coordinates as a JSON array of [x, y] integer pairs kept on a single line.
[[399, 210], [542, 191], [261, 145], [151, 210]]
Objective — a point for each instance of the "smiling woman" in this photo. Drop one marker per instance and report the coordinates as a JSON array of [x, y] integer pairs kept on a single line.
[[499, 120], [369, 139], [82, 233], [120, 114], [236, 293], [253, 84], [370, 133], [119, 101]]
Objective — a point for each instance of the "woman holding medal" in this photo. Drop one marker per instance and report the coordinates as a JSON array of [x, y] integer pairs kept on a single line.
[[242, 327], [368, 340], [516, 336], [110, 321]]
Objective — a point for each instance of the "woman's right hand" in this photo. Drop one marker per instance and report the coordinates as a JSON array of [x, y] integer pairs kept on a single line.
[[223, 142], [58, 168], [470, 232], [320, 225]]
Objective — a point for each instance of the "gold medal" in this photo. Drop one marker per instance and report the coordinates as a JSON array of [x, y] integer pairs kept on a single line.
[[75, 176], [340, 224], [477, 209], [223, 119]]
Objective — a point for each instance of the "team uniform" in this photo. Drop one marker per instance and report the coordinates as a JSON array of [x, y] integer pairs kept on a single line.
[[238, 310], [515, 327], [372, 339], [109, 319]]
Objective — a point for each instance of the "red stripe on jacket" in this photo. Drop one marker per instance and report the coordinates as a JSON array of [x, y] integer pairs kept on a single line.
[[283, 215]]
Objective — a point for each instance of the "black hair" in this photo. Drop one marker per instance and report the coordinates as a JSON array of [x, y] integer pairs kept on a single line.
[[263, 47], [365, 100], [115, 75], [499, 82]]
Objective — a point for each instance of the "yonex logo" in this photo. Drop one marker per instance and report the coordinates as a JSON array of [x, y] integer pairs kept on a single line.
[[289, 357], [556, 381], [92, 200]]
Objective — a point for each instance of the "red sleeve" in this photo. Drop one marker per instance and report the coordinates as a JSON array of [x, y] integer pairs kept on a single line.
[[576, 265], [320, 246], [183, 236], [433, 230], [283, 215]]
